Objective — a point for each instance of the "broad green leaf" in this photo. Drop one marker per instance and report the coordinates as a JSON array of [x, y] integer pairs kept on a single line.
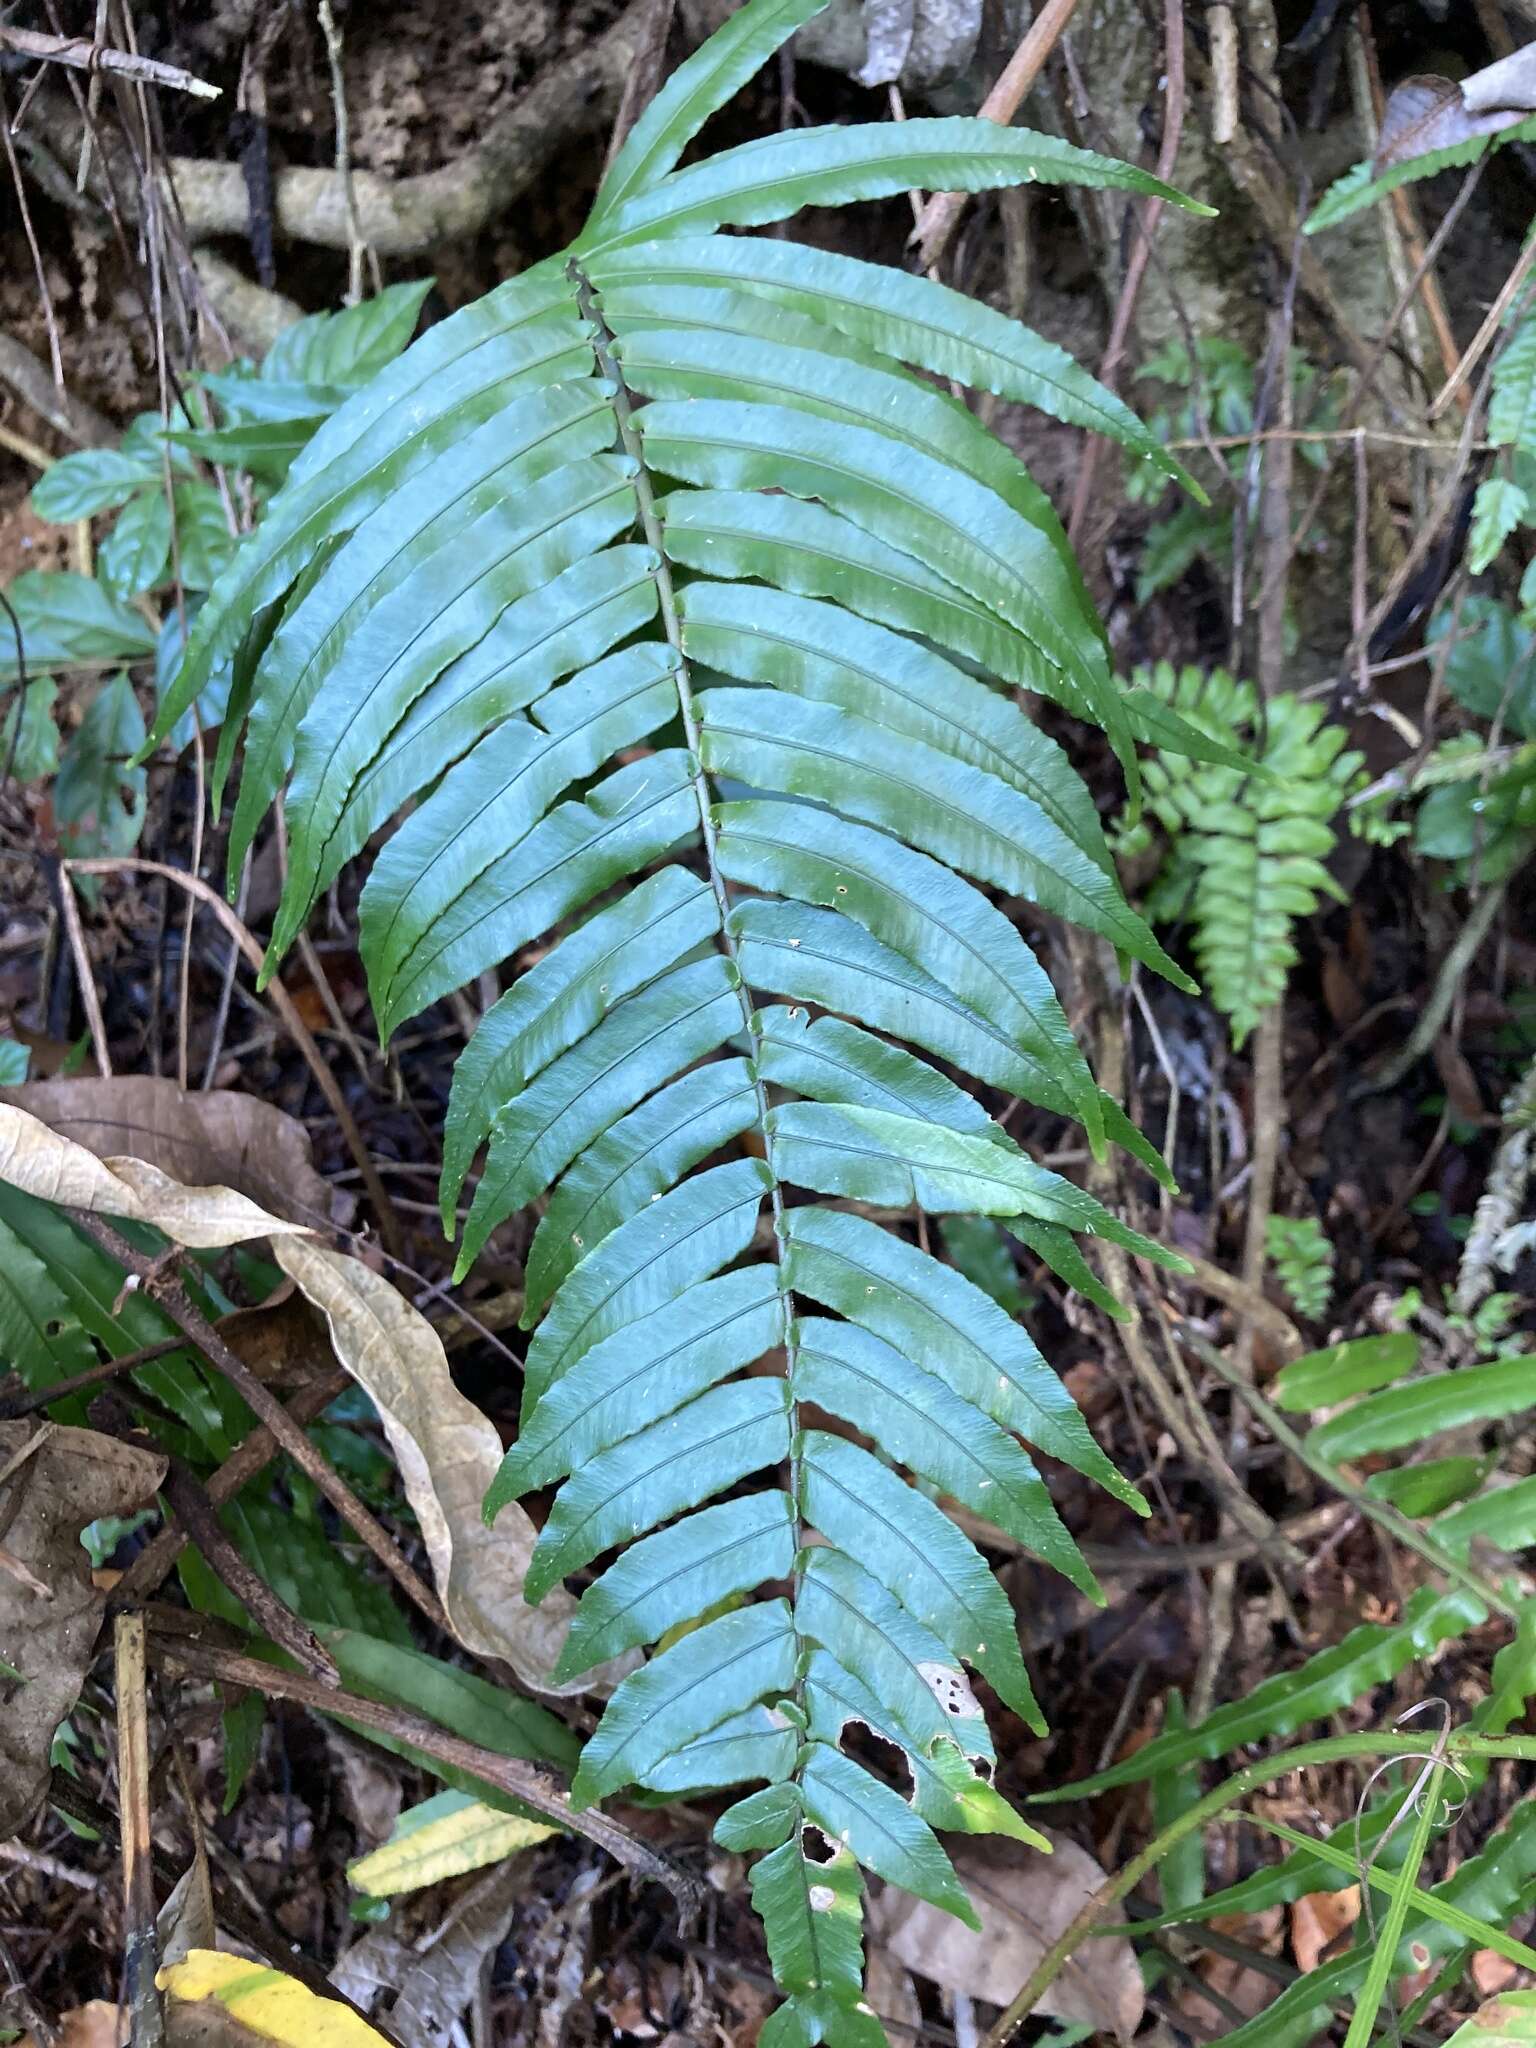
[[924, 911], [852, 1807], [932, 1314], [1324, 1378], [1181, 1873], [714, 1672], [775, 176], [674, 1464], [1502, 1515], [349, 346], [29, 739], [136, 554], [39, 1336], [93, 480], [1328, 1682], [99, 800], [491, 1715], [204, 543], [684, 1237], [1417, 1409], [701, 84], [917, 1553], [68, 621], [562, 997], [1508, 2021], [918, 1422], [676, 1574], [643, 1155], [911, 318], [444, 1837], [1428, 1488], [640, 1044], [641, 1373], [306, 1568]]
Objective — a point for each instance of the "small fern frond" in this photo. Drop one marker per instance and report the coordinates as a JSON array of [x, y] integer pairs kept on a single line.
[[1248, 844], [660, 582], [1301, 1253]]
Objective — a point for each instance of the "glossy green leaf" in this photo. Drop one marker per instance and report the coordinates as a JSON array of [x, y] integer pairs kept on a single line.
[[933, 1314], [1417, 1409], [136, 554], [811, 1910], [67, 620], [852, 1807], [93, 480], [1359, 1366], [715, 1671], [29, 738], [99, 799], [760, 1743], [349, 346]]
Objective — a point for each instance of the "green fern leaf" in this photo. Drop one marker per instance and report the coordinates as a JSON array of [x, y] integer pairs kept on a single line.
[[669, 595]]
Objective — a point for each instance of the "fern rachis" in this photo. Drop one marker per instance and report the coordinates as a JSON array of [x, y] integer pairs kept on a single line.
[[676, 500]]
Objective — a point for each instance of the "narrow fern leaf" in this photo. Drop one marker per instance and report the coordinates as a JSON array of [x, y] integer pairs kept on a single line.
[[697, 88], [1360, 1366], [1504, 1516], [923, 911], [1325, 1684], [557, 608], [643, 1155], [406, 540], [903, 496], [1418, 1409], [685, 1237], [911, 318], [679, 1573], [971, 820], [934, 1315], [916, 1678], [774, 176], [918, 1554], [492, 798], [562, 997], [674, 1464], [817, 651], [812, 1915], [641, 1373], [853, 1808], [638, 1046], [763, 1820], [714, 1671], [1056, 1248], [631, 818], [760, 1743], [830, 1061], [919, 1422], [465, 371]]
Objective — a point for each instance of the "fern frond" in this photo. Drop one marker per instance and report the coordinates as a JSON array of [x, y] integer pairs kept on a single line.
[[659, 582], [1248, 843], [1301, 1253]]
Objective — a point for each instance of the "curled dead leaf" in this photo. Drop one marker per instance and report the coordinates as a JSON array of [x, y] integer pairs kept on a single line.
[[40, 1162], [1025, 1899], [74, 1477], [214, 1136], [1429, 113], [1317, 1919], [448, 1453]]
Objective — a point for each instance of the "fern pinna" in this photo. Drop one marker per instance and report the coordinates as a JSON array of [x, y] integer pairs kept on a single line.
[[673, 499]]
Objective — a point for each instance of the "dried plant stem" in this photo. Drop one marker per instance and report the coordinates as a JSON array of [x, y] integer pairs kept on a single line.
[[140, 1947]]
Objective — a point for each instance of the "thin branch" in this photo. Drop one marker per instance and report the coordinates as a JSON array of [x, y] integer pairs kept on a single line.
[[81, 54]]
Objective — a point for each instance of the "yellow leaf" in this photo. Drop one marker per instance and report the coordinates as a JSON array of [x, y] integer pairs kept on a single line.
[[441, 1838], [278, 2008]]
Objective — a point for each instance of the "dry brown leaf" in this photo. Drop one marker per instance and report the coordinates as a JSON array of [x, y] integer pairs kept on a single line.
[[56, 1169], [73, 1478], [100, 2024], [448, 1453], [215, 1137], [1492, 1973], [1317, 1919], [1025, 1900], [1429, 113], [431, 1986], [1241, 1986]]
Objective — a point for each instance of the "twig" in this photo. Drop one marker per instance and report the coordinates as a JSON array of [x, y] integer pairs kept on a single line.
[[1141, 255], [239, 1468], [537, 1788], [1473, 353], [55, 352], [942, 214], [356, 245], [644, 76], [272, 1615], [48, 1866], [173, 1298], [282, 1002], [83, 973], [81, 54], [14, 1406], [1447, 982], [140, 1947]]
